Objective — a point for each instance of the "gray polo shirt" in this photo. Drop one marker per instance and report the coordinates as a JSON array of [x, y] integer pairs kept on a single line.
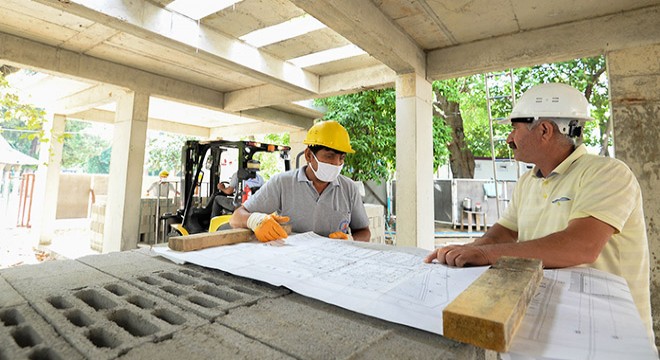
[[292, 194]]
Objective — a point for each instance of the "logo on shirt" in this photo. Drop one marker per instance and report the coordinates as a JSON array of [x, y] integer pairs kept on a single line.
[[343, 226], [561, 199]]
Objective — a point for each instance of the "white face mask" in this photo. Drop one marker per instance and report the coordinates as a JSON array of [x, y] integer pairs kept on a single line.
[[326, 172]]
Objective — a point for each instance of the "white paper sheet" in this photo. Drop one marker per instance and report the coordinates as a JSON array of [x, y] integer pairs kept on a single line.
[[578, 313], [392, 285], [581, 313]]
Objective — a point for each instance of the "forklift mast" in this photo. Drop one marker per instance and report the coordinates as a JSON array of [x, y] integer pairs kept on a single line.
[[197, 155]]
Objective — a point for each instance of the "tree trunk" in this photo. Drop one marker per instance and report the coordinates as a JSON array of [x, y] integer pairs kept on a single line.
[[606, 128], [461, 158]]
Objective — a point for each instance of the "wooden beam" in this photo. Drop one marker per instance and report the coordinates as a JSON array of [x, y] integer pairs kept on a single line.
[[487, 314], [212, 239]]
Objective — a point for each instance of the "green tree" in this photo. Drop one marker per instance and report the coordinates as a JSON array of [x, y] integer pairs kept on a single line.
[[82, 145], [25, 120], [463, 103], [370, 119], [99, 164], [164, 151], [271, 163]]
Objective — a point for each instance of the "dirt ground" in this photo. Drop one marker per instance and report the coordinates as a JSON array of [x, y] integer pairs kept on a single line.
[[19, 245]]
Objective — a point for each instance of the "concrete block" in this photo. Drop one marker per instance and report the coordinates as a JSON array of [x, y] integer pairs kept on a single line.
[[52, 276], [9, 296], [212, 341], [125, 264], [310, 329], [106, 321], [206, 292], [25, 335], [375, 212]]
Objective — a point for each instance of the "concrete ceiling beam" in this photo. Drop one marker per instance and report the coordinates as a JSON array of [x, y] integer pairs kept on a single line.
[[235, 132], [573, 40], [108, 117], [175, 31], [90, 98], [26, 53], [330, 85], [363, 24], [278, 117]]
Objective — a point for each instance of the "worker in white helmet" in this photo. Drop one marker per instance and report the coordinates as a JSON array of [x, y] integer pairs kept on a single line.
[[572, 208], [313, 198]]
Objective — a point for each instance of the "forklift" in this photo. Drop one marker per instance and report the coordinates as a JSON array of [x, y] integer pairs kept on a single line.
[[194, 215]]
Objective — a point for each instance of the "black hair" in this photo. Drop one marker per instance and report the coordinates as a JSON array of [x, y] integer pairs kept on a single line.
[[316, 148]]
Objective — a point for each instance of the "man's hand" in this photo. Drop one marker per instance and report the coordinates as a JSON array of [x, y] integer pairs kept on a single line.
[[459, 255], [340, 235], [267, 227]]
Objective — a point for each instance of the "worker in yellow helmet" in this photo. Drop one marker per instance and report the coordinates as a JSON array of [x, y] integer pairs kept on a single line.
[[162, 187], [313, 198]]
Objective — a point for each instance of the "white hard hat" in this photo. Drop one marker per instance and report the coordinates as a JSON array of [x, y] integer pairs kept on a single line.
[[550, 101]]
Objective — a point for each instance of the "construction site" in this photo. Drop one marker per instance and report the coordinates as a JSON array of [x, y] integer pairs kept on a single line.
[[252, 67]]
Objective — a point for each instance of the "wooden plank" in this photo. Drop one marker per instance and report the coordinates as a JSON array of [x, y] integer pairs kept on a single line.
[[487, 314], [218, 238]]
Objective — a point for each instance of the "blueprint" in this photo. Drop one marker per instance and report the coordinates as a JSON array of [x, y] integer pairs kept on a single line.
[[577, 313], [392, 285], [581, 313]]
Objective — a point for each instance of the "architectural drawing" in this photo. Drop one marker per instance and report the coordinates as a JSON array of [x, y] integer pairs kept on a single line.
[[577, 313]]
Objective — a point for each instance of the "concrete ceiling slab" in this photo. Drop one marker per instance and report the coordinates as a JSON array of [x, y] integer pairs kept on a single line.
[[141, 44]]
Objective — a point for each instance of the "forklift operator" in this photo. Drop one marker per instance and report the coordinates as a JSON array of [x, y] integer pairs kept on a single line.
[[254, 183], [224, 204], [314, 198]]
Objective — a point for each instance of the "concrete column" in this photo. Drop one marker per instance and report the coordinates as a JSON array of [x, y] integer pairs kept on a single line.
[[414, 162], [296, 140], [127, 160], [635, 99], [47, 180]]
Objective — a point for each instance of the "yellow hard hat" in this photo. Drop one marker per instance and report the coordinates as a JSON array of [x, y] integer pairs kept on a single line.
[[329, 134], [164, 173]]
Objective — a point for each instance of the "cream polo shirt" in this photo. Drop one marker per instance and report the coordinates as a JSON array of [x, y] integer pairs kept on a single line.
[[588, 185]]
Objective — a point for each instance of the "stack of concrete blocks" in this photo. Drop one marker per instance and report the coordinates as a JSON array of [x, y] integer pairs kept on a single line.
[[376, 216], [96, 225], [148, 218], [150, 211]]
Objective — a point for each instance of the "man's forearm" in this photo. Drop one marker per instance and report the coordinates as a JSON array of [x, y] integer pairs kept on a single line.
[[361, 234], [497, 234], [239, 218]]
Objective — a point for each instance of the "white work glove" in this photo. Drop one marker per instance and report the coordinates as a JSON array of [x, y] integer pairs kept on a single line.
[[267, 227]]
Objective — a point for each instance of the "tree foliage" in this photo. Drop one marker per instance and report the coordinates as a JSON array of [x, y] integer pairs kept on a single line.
[[25, 121], [272, 163], [83, 147], [99, 164], [164, 152], [461, 123], [370, 119]]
